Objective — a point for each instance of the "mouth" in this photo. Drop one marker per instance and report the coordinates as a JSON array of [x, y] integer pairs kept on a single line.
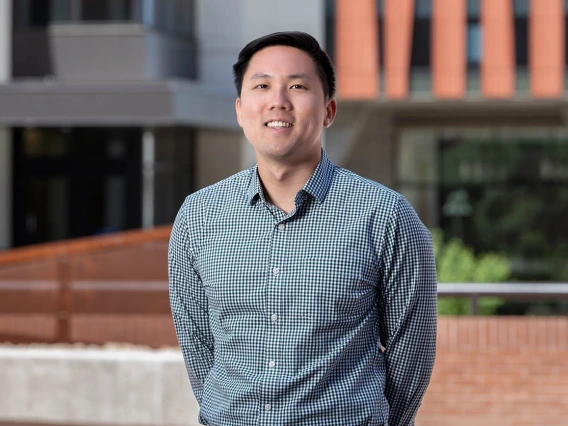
[[279, 124]]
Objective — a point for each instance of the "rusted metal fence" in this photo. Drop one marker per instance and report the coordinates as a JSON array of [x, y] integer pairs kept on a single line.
[[114, 288], [47, 291]]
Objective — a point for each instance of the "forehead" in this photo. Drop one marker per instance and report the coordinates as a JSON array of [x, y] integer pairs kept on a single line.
[[281, 60]]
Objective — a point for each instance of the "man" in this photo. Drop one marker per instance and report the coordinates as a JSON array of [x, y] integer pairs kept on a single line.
[[302, 294]]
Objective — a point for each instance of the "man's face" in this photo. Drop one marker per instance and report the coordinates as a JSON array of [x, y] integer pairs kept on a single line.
[[282, 108]]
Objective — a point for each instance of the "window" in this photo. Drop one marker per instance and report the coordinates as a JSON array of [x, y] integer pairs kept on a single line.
[[31, 13], [106, 10], [474, 45], [381, 44], [420, 74], [172, 16], [521, 10], [502, 190], [330, 28]]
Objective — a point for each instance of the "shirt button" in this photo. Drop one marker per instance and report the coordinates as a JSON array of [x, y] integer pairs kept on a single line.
[[281, 227], [275, 271], [267, 407], [274, 317], [271, 364]]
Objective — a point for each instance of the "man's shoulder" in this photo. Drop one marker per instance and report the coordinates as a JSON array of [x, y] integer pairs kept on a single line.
[[364, 188], [229, 189]]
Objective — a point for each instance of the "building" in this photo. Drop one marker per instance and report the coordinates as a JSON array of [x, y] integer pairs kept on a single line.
[[113, 110]]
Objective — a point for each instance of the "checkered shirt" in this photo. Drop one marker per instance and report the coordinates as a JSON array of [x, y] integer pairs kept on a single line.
[[324, 316]]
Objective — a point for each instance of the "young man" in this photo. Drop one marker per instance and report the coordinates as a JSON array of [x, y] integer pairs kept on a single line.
[[302, 294]]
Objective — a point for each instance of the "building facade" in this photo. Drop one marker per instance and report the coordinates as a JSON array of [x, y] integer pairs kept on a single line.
[[112, 111]]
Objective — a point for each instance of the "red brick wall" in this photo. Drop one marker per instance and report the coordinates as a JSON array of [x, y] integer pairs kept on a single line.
[[495, 371]]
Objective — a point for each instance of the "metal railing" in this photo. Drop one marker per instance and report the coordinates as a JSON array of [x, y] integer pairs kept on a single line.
[[524, 291]]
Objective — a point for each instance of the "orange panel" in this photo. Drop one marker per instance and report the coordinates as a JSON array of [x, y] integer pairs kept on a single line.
[[357, 49], [399, 17], [498, 62], [546, 48], [448, 48]]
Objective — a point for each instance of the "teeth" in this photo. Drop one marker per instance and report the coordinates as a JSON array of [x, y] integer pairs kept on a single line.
[[278, 124]]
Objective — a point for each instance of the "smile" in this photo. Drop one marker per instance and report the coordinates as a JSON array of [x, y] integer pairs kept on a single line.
[[278, 124]]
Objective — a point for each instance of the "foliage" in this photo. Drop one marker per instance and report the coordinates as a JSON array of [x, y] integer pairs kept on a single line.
[[456, 262]]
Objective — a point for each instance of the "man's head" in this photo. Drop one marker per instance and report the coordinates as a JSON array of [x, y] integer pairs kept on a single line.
[[286, 86], [297, 39]]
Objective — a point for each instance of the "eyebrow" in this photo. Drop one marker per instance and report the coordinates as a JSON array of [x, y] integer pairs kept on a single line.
[[258, 76]]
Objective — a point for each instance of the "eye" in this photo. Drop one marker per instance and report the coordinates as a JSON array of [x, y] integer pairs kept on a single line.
[[261, 86], [297, 86]]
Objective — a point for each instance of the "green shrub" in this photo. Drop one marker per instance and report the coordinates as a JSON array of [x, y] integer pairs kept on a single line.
[[457, 263]]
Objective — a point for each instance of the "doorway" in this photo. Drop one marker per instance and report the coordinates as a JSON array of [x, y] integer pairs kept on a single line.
[[75, 182]]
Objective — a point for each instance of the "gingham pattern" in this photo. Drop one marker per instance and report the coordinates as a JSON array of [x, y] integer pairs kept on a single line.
[[280, 318]]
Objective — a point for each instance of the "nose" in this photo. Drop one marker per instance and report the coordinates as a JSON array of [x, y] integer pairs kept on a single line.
[[280, 100]]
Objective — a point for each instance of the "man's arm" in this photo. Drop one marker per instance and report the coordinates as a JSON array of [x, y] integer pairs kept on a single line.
[[189, 305], [408, 312]]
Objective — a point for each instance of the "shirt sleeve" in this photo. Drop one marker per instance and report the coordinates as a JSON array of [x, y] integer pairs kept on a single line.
[[189, 305], [407, 312]]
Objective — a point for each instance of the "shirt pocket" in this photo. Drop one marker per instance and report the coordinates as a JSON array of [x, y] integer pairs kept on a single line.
[[333, 290]]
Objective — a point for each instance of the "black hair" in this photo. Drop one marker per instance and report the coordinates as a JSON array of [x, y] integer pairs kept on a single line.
[[297, 39]]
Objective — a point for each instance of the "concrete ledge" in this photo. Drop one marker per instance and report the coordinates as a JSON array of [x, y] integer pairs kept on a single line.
[[84, 386]]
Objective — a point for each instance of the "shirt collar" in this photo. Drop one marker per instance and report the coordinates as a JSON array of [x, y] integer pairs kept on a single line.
[[317, 185]]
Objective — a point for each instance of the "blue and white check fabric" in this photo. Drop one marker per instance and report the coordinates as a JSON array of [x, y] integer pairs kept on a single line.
[[282, 318]]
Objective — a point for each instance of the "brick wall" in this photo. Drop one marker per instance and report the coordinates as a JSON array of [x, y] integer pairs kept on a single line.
[[496, 371]]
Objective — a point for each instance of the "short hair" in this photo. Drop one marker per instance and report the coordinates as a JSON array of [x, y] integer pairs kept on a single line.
[[297, 39]]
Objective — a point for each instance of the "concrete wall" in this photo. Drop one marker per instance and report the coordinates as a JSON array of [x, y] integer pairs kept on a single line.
[[95, 386], [107, 52], [224, 28], [218, 154], [363, 140]]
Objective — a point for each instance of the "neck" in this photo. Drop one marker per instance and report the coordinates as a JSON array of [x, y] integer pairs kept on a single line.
[[281, 182]]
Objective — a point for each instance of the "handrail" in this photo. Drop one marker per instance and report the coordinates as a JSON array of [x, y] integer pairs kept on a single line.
[[519, 291], [84, 245], [508, 290]]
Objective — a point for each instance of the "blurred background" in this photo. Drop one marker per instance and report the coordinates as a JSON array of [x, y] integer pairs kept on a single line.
[[112, 111]]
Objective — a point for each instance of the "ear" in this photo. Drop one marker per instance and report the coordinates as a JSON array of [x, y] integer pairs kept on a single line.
[[238, 110], [331, 111]]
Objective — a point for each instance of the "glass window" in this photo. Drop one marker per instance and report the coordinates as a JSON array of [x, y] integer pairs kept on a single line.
[[474, 44], [61, 10], [29, 13], [47, 143], [521, 8], [502, 190], [106, 10], [47, 213], [420, 78], [148, 9], [381, 43], [423, 9], [473, 9]]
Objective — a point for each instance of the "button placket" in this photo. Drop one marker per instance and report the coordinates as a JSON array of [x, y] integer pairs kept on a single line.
[[274, 287]]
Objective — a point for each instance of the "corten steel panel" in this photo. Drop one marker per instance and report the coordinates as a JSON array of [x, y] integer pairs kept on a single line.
[[448, 48], [357, 49], [40, 269], [498, 64], [147, 262], [29, 297], [119, 297], [399, 17], [546, 48]]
